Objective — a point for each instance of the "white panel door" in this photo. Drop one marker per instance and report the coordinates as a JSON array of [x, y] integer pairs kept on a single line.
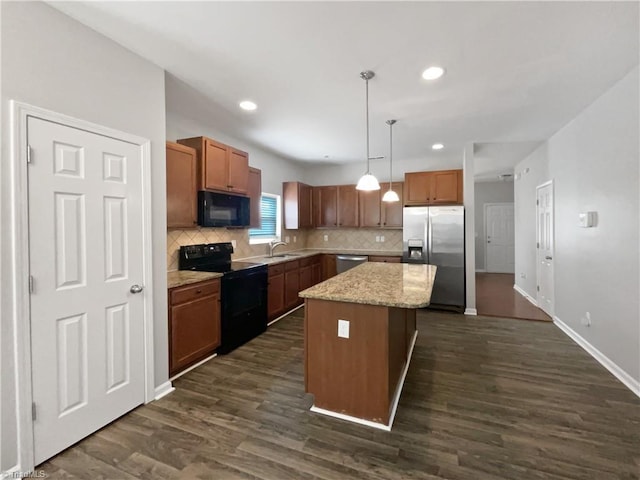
[[500, 238], [85, 253], [545, 248]]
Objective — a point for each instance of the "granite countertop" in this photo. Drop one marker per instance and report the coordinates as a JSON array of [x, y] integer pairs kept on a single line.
[[179, 278], [399, 285], [309, 252]]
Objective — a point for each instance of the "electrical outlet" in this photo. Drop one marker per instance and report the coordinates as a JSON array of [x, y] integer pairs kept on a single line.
[[377, 238], [343, 328], [325, 238], [287, 238], [295, 239], [382, 238], [233, 244]]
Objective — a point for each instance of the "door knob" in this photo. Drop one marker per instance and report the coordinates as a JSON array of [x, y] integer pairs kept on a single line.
[[136, 288]]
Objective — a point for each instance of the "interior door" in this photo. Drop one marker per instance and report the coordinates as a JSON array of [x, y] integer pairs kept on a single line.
[[545, 247], [500, 238], [85, 248]]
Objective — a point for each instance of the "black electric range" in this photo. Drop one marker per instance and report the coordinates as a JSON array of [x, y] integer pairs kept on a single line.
[[244, 291]]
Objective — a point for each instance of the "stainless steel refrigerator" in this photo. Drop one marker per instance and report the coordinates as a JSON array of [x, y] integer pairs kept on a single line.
[[435, 235]]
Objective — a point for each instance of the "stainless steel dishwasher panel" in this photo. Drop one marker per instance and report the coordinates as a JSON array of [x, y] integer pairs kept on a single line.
[[345, 262]]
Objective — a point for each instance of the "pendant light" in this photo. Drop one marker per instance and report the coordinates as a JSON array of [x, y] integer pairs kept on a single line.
[[367, 182], [390, 195]]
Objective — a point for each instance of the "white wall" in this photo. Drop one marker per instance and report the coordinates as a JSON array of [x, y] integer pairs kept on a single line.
[[54, 62], [488, 192], [191, 114], [594, 163]]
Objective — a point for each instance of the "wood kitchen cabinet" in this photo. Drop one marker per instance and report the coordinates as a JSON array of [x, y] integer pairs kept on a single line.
[[254, 191], [291, 285], [316, 269], [328, 266], [182, 210], [385, 258], [220, 167], [325, 206], [305, 274], [194, 323], [347, 206], [275, 291], [298, 203], [433, 188], [378, 214]]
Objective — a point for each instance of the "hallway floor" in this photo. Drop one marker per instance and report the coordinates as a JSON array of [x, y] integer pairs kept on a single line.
[[496, 297]]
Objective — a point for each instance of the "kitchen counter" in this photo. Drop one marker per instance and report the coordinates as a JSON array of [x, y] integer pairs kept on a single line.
[[309, 252], [179, 278], [399, 285]]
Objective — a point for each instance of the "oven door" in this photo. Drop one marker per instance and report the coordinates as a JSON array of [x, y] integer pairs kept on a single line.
[[244, 307]]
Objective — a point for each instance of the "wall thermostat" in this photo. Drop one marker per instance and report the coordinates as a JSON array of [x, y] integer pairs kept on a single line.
[[587, 219]]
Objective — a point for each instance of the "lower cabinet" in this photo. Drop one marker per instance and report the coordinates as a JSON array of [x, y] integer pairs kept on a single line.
[[275, 291], [385, 258], [194, 323], [287, 279], [328, 266], [291, 284]]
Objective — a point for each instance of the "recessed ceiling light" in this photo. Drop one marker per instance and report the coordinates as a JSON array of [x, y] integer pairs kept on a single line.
[[432, 73], [437, 146], [248, 105]]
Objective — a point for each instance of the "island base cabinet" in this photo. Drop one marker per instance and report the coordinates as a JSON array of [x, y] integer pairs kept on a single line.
[[360, 376]]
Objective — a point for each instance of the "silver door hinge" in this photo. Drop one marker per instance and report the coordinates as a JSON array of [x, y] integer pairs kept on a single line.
[[537, 244], [30, 283], [28, 153], [537, 202], [33, 411], [538, 288]]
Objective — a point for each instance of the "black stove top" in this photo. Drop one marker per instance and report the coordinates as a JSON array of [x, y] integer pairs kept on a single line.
[[211, 257]]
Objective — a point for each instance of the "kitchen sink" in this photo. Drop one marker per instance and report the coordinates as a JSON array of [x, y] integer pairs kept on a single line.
[[282, 255]]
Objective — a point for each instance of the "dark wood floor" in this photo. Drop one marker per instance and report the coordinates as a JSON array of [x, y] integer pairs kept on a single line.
[[496, 297], [484, 398]]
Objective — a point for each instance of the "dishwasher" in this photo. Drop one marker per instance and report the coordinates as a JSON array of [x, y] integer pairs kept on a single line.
[[345, 262]]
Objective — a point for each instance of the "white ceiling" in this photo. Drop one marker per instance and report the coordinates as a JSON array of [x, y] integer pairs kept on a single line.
[[516, 71]]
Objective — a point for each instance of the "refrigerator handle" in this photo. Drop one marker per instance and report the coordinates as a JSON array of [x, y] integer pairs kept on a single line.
[[429, 236]]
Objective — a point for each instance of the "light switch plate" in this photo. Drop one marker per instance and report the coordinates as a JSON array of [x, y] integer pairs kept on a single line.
[[326, 238], [343, 328]]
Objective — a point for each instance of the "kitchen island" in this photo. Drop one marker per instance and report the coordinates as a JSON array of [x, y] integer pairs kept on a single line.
[[359, 333]]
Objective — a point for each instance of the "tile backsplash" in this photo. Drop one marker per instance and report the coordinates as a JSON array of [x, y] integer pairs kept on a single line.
[[355, 239], [347, 238], [177, 238]]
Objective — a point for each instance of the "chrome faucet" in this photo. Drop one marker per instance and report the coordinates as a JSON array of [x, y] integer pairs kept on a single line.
[[273, 244]]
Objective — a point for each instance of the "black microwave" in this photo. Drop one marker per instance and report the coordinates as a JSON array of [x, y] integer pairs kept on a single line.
[[222, 210]]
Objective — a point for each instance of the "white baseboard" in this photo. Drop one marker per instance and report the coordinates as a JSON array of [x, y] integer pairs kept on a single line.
[[525, 294], [284, 315], [165, 389], [480, 270], [187, 370], [630, 382], [394, 405], [470, 311]]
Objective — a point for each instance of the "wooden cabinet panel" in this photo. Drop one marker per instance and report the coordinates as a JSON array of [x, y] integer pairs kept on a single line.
[[215, 163], [328, 266], [385, 259], [220, 167], [327, 206], [392, 211], [297, 205], [182, 189], [316, 271], [291, 288], [347, 206], [433, 188], [370, 208], [254, 191], [306, 277], [417, 188], [275, 295], [238, 171], [194, 323], [444, 187]]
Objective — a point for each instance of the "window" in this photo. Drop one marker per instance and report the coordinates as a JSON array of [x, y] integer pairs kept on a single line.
[[270, 221]]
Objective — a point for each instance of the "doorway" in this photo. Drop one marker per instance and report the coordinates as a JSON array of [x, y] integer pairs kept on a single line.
[[83, 209], [499, 238], [545, 246]]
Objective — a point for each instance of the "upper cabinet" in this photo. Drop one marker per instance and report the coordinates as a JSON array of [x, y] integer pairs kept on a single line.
[[347, 206], [220, 167], [297, 205], [325, 206], [182, 209], [254, 191], [433, 188], [376, 213]]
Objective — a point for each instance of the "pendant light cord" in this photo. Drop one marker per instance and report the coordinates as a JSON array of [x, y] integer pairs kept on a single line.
[[390, 154], [367, 100]]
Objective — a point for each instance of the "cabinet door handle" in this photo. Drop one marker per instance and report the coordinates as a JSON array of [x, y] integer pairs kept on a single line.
[[198, 291]]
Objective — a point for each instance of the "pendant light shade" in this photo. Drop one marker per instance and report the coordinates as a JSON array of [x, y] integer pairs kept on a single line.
[[390, 195], [367, 182]]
